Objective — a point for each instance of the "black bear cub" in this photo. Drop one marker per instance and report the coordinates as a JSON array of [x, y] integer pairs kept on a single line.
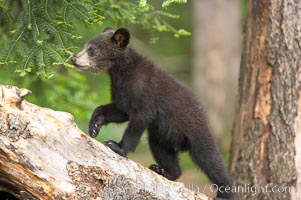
[[151, 99]]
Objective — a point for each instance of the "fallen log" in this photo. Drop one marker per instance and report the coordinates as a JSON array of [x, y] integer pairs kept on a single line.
[[44, 155]]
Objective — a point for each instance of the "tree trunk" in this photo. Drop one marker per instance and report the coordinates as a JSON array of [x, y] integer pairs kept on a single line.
[[43, 155], [266, 146], [217, 54]]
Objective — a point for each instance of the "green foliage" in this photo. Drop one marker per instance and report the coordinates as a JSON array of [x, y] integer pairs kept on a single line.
[[38, 34], [244, 8], [67, 91], [168, 2]]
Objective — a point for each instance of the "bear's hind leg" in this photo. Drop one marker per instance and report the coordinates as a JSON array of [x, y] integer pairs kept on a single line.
[[166, 158], [204, 152]]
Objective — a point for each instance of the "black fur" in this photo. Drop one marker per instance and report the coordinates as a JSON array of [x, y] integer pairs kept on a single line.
[[152, 100]]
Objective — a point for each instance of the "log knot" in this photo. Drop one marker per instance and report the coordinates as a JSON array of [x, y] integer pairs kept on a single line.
[[12, 96]]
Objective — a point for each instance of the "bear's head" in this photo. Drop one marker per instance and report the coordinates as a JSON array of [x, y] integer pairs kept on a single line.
[[102, 51]]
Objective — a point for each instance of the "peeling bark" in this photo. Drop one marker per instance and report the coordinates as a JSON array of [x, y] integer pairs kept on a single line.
[[43, 155], [266, 134]]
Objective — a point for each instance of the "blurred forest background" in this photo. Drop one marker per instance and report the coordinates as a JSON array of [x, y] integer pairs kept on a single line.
[[207, 60]]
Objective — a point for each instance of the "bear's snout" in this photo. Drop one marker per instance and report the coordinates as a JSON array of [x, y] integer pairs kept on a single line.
[[73, 60]]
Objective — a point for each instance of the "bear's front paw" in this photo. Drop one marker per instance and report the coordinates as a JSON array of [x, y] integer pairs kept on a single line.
[[115, 147], [94, 125], [157, 169]]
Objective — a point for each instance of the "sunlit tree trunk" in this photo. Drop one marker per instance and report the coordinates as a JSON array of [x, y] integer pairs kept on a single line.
[[217, 53], [266, 147]]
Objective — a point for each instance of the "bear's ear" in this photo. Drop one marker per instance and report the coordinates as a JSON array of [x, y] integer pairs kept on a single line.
[[107, 29], [121, 37]]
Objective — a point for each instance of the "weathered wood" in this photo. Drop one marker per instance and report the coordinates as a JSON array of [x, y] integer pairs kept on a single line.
[[44, 155], [266, 135]]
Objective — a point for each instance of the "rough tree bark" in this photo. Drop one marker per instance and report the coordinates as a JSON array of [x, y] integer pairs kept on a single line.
[[43, 155], [217, 55], [266, 147]]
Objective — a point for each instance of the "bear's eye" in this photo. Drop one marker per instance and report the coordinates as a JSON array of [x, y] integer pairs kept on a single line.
[[90, 52]]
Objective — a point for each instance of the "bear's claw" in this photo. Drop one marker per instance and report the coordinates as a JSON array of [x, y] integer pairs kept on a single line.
[[95, 125], [115, 147]]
